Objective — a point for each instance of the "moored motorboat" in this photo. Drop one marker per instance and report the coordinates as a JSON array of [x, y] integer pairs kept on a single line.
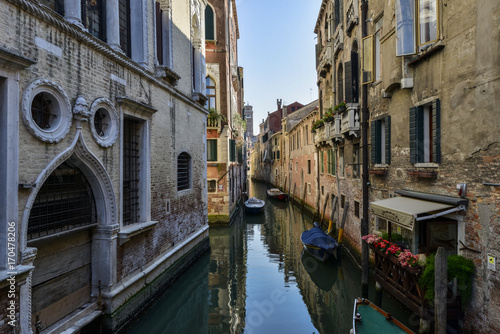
[[369, 318], [254, 205], [318, 243], [275, 193]]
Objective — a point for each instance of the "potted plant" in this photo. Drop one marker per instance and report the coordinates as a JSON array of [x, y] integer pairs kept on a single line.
[[318, 124], [341, 107], [214, 116]]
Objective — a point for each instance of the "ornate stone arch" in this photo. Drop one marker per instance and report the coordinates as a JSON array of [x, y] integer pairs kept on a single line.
[[93, 170]]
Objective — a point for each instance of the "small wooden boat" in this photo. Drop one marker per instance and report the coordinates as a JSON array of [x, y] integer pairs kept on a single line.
[[275, 193], [318, 243], [369, 318], [254, 205]]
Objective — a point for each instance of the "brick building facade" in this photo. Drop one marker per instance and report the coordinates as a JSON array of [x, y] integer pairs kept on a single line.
[[226, 164]]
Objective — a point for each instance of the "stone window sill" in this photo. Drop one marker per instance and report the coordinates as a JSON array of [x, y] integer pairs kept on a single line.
[[20, 272], [129, 231]]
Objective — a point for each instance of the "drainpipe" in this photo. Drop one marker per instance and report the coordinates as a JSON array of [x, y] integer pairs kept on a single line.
[[365, 176]]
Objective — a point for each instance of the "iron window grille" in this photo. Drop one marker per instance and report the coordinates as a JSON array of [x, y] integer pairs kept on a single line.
[[101, 124], [64, 202], [93, 18], [183, 171], [41, 111], [212, 186], [131, 169], [124, 21]]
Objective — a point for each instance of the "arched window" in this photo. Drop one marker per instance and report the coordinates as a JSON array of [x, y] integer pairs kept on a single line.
[[183, 171], [65, 201], [211, 102], [209, 24]]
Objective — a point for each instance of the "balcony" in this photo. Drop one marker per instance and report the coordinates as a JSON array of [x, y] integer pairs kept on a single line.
[[345, 125], [350, 123]]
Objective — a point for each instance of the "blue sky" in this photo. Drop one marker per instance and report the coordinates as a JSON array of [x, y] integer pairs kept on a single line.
[[276, 50]]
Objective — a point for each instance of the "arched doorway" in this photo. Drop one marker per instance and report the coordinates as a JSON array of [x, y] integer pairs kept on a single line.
[[59, 226]]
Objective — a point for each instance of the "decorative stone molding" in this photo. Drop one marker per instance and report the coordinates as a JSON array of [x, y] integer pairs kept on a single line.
[[13, 60], [136, 106], [57, 127], [166, 73], [104, 122], [81, 110]]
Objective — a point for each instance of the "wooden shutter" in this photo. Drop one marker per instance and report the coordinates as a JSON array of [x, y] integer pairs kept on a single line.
[[348, 82], [387, 139], [159, 33], [413, 135], [355, 77], [436, 131], [376, 137], [212, 150], [420, 134], [232, 150]]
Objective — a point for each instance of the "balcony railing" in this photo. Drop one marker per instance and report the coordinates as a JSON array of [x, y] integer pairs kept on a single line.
[[399, 281], [351, 121]]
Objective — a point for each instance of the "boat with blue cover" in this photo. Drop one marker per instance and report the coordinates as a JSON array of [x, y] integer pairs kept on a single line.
[[318, 243]]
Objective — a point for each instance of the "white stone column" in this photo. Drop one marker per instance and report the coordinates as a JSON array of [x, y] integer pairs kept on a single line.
[[104, 252], [113, 24], [73, 12], [197, 66]]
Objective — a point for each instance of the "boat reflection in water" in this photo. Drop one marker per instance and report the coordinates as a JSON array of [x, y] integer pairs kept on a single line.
[[258, 280]]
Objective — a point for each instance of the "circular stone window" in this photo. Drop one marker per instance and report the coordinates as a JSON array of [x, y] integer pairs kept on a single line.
[[104, 122], [46, 111]]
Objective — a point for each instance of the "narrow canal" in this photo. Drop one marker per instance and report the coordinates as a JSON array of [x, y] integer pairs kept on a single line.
[[256, 279]]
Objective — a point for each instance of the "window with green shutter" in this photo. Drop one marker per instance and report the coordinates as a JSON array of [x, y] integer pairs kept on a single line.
[[212, 149], [232, 150], [381, 141], [209, 24], [425, 133]]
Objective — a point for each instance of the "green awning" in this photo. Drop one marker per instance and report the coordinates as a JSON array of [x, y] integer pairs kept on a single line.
[[404, 211]]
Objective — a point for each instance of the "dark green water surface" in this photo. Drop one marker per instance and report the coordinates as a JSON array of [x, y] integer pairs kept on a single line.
[[256, 279]]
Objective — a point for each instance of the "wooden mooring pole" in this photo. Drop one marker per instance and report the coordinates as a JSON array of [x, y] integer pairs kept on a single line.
[[324, 207], [304, 196], [342, 224], [440, 291]]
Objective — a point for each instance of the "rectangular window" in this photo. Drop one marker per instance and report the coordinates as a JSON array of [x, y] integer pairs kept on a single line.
[[381, 141], [425, 133], [342, 201], [356, 208], [355, 161], [55, 5], [377, 51], [367, 60], [93, 18], [322, 161], [427, 21], [341, 161], [131, 170], [405, 31], [159, 33], [232, 150], [278, 155], [212, 149], [124, 22], [308, 166], [212, 186], [427, 25]]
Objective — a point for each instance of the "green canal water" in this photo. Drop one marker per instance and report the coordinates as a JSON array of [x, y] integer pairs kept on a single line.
[[257, 279]]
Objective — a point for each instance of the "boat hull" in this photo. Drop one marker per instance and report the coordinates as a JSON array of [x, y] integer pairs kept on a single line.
[[254, 205], [277, 195], [318, 243], [369, 318]]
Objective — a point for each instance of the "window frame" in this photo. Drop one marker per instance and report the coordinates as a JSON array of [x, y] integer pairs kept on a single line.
[[211, 145], [213, 30], [381, 141], [185, 185], [425, 146]]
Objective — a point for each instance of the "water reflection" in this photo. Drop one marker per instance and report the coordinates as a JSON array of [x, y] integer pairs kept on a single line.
[[259, 280]]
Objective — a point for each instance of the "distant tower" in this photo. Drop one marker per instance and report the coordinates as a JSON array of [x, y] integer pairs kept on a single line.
[[249, 119]]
